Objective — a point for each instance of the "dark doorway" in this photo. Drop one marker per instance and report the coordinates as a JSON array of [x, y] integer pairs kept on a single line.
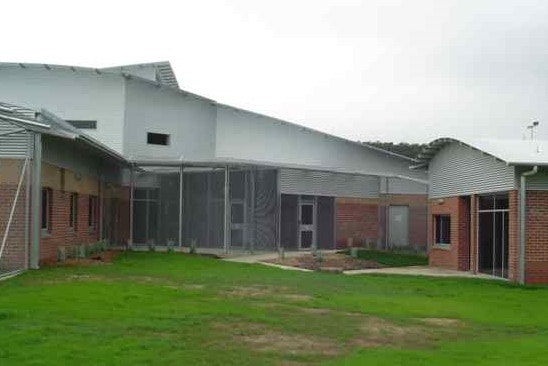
[[493, 215]]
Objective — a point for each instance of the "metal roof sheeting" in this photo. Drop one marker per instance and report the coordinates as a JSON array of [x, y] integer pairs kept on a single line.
[[510, 151]]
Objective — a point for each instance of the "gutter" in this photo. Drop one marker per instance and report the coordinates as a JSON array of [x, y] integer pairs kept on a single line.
[[522, 221]]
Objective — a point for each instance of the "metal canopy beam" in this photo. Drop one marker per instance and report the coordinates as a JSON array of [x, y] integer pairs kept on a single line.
[[36, 201]]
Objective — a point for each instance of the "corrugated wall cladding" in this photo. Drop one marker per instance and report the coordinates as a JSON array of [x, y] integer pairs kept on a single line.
[[537, 182], [460, 170], [15, 144], [295, 181], [403, 186]]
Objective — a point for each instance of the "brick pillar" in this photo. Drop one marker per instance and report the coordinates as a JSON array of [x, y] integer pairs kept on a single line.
[[513, 235], [474, 234]]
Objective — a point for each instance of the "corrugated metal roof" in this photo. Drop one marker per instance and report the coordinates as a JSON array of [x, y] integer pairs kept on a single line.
[[510, 151], [164, 72]]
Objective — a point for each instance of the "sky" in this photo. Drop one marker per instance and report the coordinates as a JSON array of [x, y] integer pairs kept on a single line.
[[385, 70]]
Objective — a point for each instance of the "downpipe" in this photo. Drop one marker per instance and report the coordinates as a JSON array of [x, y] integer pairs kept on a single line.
[[521, 220]]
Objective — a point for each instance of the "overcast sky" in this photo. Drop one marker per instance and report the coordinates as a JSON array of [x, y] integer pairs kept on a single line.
[[365, 70]]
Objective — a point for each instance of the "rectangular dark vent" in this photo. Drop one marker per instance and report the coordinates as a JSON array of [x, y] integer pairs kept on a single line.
[[83, 124], [157, 138]]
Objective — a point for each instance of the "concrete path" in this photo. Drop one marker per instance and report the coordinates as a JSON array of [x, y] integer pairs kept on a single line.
[[260, 257], [420, 271]]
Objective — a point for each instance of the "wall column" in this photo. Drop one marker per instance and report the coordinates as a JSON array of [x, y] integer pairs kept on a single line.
[[36, 201]]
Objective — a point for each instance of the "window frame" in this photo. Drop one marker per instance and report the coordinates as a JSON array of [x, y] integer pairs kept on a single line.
[[151, 136], [73, 211], [45, 214], [83, 124], [92, 212], [439, 233]]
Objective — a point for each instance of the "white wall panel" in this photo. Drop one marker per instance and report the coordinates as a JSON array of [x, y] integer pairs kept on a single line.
[[245, 135], [79, 94], [190, 122]]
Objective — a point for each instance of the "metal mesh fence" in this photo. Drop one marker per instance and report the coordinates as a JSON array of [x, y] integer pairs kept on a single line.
[[246, 220], [14, 216], [156, 206]]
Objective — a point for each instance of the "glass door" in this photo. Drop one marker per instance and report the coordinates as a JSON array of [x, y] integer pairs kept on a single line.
[[307, 222]]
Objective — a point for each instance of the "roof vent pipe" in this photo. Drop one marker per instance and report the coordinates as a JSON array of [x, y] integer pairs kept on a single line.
[[521, 221]]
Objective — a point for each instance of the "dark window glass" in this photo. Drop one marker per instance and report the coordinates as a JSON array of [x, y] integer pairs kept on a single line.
[[83, 124], [237, 213], [501, 202], [157, 138], [486, 202], [307, 215], [442, 228], [46, 202], [92, 211], [73, 210]]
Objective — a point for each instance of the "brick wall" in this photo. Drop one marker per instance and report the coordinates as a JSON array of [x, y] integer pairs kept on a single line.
[[14, 256], [456, 255], [356, 218], [536, 247], [363, 219], [512, 235], [60, 233]]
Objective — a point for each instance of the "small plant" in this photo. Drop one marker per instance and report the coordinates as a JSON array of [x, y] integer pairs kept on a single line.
[[151, 245], [61, 254], [170, 246], [193, 246]]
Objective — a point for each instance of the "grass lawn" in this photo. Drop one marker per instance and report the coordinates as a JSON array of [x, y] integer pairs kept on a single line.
[[176, 309], [391, 259]]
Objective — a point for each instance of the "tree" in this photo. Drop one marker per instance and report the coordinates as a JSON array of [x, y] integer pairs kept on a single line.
[[401, 148]]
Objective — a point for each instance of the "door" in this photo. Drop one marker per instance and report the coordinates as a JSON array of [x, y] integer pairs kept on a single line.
[[493, 235], [307, 222], [398, 226]]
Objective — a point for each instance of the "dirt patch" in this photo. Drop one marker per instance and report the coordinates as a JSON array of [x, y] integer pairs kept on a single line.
[[103, 258], [263, 339], [253, 291], [378, 332], [293, 344], [442, 322], [333, 262], [315, 311], [297, 297]]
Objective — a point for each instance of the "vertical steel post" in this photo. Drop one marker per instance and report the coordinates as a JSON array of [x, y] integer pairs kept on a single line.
[[181, 186], [101, 208], [279, 212], [27, 199], [36, 201], [226, 238], [131, 196]]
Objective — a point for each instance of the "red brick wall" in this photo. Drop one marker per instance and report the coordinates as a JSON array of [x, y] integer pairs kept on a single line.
[[14, 255], [60, 233], [457, 255], [536, 247], [357, 219], [512, 235], [364, 219]]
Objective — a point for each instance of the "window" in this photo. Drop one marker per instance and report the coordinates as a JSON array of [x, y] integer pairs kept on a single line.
[[157, 138], [83, 124], [442, 229], [46, 209], [92, 212], [73, 211]]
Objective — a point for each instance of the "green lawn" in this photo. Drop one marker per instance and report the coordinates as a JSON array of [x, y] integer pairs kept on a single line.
[[176, 309], [391, 259]]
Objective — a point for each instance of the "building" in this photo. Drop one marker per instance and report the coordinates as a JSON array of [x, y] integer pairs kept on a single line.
[[189, 171], [488, 207]]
